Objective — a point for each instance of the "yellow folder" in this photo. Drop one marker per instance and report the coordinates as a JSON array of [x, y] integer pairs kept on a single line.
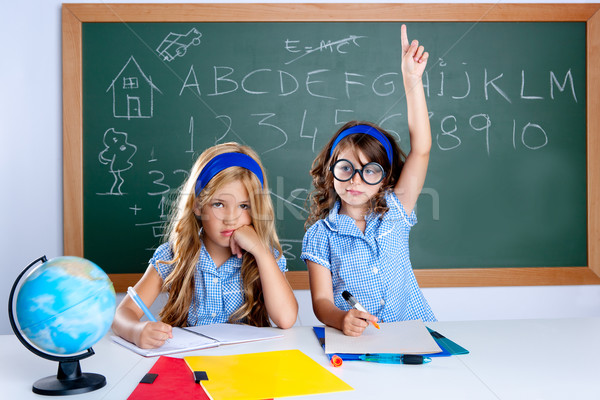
[[264, 375]]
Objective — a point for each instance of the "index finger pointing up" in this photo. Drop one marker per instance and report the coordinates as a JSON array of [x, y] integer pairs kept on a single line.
[[404, 39]]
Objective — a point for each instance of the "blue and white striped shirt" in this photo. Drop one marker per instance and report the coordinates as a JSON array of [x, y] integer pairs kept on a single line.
[[218, 291], [375, 266]]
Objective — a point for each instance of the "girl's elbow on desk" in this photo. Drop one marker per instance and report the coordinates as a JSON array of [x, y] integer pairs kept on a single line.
[[287, 319], [285, 322]]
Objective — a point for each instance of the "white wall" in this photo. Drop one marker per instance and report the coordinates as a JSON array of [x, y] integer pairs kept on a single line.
[[31, 176]]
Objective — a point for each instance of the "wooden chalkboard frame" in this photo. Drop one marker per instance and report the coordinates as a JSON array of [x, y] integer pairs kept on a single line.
[[74, 15]]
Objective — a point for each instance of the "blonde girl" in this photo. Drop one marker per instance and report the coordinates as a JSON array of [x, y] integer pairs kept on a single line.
[[222, 261]]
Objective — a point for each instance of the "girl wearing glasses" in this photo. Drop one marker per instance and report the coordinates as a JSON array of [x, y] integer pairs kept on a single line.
[[362, 210], [222, 261]]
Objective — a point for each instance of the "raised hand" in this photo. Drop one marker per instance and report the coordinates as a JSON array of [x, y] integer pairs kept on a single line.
[[414, 57]]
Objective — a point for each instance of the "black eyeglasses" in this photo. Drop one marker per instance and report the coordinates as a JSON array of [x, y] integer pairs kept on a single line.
[[371, 173]]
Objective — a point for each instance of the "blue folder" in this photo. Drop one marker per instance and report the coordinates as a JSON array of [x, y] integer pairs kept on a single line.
[[448, 346]]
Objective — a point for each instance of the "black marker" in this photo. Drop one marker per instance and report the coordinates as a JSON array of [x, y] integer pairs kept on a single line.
[[355, 304]]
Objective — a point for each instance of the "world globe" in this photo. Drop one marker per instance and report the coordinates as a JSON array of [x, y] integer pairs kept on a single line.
[[66, 305], [63, 307]]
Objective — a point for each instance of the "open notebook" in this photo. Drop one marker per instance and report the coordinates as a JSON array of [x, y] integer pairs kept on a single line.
[[204, 336]]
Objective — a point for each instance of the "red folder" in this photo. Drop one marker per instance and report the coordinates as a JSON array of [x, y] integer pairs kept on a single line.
[[174, 380]]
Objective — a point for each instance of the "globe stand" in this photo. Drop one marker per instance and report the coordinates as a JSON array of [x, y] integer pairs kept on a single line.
[[69, 378]]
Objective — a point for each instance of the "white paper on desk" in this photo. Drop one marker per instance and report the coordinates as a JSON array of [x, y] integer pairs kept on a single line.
[[235, 333], [182, 340], [202, 337], [405, 337]]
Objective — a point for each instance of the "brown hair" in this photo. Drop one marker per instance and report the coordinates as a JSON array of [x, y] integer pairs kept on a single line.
[[186, 244], [324, 197]]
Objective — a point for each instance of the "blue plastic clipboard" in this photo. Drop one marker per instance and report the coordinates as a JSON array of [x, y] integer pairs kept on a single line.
[[448, 347]]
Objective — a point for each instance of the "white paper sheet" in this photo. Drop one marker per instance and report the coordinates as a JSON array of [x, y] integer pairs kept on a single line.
[[235, 333], [405, 337]]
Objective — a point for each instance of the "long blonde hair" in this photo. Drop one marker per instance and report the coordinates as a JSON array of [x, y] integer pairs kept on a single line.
[[186, 244]]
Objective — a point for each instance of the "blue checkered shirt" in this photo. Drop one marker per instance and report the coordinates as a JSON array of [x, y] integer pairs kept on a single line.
[[218, 291], [375, 266]]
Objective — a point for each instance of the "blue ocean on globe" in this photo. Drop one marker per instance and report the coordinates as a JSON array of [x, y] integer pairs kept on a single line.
[[66, 305]]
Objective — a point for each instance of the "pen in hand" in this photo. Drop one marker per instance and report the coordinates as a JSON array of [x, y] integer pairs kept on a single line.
[[137, 300], [355, 304]]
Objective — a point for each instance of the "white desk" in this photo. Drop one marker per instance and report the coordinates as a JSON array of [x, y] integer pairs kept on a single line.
[[519, 359]]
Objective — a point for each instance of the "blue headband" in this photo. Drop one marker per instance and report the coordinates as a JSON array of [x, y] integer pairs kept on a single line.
[[368, 130], [224, 161]]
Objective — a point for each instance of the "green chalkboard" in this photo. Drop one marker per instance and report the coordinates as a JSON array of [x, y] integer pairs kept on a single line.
[[506, 185]]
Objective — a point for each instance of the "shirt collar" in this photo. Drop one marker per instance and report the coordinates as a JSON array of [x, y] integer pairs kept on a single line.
[[206, 262], [341, 223], [332, 219], [345, 225]]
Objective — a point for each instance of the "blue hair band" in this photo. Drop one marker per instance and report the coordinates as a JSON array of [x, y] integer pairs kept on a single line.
[[367, 130], [224, 161]]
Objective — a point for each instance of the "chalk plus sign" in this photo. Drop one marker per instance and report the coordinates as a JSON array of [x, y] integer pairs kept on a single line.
[[135, 209]]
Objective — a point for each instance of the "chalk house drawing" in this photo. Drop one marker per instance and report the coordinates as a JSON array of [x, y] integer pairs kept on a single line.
[[176, 44], [133, 92], [117, 155]]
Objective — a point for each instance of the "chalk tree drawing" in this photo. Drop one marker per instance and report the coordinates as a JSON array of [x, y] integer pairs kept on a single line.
[[176, 44], [117, 155], [133, 92]]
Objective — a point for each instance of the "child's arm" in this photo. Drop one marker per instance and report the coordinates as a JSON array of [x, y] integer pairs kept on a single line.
[[127, 322], [279, 298], [412, 178], [352, 322]]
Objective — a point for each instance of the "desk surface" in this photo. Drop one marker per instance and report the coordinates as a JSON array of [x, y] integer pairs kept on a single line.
[[518, 359]]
